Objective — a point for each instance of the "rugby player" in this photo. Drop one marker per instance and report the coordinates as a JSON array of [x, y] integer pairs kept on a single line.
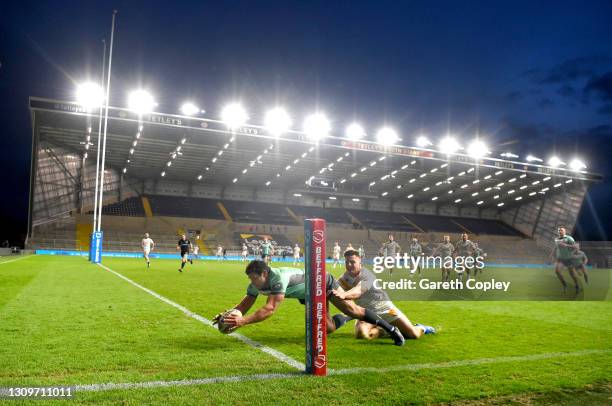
[[219, 252], [390, 248], [358, 284], [580, 260], [361, 251], [349, 247], [267, 250], [296, 254], [562, 254], [415, 250], [445, 251], [285, 282], [465, 249], [245, 252], [147, 245], [336, 254], [184, 245], [478, 253]]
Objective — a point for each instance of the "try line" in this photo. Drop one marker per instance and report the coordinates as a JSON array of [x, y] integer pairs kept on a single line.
[[270, 351]]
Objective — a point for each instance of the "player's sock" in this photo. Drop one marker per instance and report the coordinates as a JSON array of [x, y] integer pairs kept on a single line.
[[373, 318], [182, 265], [191, 261], [340, 320], [426, 329], [586, 277], [148, 264]]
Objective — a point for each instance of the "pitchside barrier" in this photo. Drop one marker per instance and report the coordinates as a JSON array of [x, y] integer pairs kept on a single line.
[[316, 297]]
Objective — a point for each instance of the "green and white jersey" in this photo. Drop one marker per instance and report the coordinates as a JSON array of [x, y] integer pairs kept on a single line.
[[266, 248], [415, 249], [564, 252], [579, 258], [446, 249], [465, 248], [282, 281]]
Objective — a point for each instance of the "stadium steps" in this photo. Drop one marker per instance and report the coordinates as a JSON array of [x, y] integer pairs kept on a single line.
[[82, 236], [298, 221], [413, 224], [147, 207], [356, 220], [464, 228], [225, 213]]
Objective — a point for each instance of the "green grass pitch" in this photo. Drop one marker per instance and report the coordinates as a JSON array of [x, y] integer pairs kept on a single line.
[[64, 321]]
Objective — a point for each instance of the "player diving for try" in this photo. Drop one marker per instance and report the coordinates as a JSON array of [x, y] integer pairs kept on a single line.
[[285, 282], [358, 284], [147, 245]]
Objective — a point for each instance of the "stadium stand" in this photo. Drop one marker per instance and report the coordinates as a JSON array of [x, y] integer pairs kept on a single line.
[[131, 206], [179, 206]]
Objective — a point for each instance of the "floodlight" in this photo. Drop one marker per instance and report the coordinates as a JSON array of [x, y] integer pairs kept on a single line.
[[448, 145], [423, 142], [90, 95], [355, 132], [555, 161], [577, 165], [141, 102], [531, 158], [387, 136], [234, 115], [478, 149], [189, 109], [316, 126], [277, 121]]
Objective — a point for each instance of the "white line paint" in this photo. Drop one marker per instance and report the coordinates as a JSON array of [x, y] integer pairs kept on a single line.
[[16, 259], [349, 371], [270, 351]]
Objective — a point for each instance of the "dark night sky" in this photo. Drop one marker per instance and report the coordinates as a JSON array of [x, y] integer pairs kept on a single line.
[[531, 76]]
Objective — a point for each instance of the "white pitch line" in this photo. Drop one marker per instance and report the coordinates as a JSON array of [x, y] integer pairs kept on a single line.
[[270, 351], [349, 371], [16, 259]]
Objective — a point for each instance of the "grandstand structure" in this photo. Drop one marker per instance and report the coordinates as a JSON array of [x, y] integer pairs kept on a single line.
[[168, 174]]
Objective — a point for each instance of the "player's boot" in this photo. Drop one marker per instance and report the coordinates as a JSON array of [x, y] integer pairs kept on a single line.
[[340, 320], [396, 335], [426, 329], [578, 289]]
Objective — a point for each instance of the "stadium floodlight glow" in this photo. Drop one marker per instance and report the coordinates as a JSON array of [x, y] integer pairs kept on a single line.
[[90, 95], [277, 121], [480, 202], [355, 132], [500, 204], [268, 183], [410, 196], [478, 149], [199, 177], [434, 198], [531, 158], [555, 162], [577, 165], [355, 199], [332, 198], [567, 181], [163, 173], [297, 194], [457, 200], [423, 142], [508, 155], [189, 109], [384, 194], [141, 102], [387, 136], [448, 145], [317, 126], [234, 115]]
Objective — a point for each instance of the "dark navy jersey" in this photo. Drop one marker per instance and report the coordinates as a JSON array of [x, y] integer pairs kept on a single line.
[[184, 244]]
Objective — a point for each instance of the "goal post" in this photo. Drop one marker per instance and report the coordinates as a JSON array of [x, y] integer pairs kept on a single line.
[[316, 297]]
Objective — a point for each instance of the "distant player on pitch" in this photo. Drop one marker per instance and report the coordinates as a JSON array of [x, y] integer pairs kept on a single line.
[[219, 252], [580, 261], [358, 284], [336, 254], [245, 252], [445, 251], [280, 283], [267, 250], [415, 251], [389, 249], [147, 245], [184, 245], [562, 254], [296, 254], [465, 249]]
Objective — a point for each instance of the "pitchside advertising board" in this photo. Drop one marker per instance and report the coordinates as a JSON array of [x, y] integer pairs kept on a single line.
[[316, 295]]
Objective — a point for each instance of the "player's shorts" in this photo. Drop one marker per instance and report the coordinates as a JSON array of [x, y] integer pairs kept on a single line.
[[336, 257], [567, 262], [244, 253], [296, 257], [387, 311], [263, 256], [184, 254], [146, 251]]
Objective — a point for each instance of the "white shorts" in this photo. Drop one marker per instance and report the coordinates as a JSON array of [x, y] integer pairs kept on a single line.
[[336, 257], [146, 251], [387, 311], [244, 253], [296, 257]]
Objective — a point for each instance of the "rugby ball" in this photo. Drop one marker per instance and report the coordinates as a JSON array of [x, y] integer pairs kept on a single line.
[[224, 328]]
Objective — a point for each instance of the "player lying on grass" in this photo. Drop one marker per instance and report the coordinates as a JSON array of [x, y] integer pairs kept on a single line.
[[285, 282], [358, 285]]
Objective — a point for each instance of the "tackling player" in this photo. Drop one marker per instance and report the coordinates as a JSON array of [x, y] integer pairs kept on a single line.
[[184, 245], [280, 283], [358, 284], [336, 254], [147, 245]]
